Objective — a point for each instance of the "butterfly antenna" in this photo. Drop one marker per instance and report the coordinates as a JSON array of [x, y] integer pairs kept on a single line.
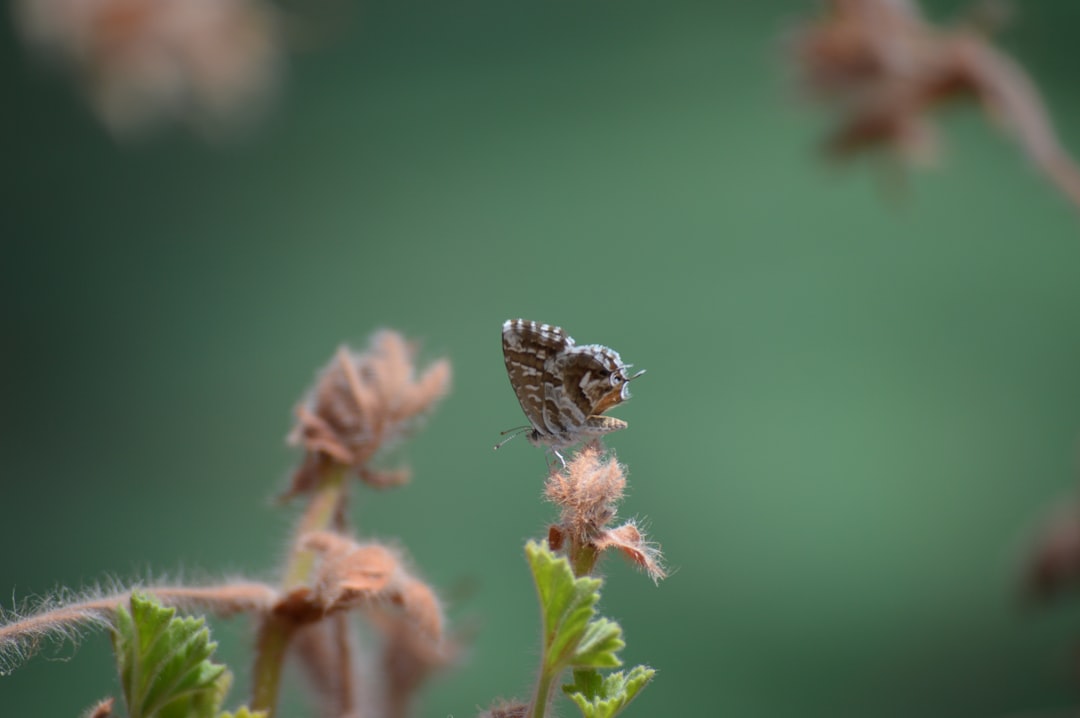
[[515, 432], [635, 376]]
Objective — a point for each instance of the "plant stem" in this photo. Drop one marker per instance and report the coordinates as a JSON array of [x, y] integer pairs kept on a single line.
[[276, 631], [583, 558], [320, 515], [544, 687], [273, 638]]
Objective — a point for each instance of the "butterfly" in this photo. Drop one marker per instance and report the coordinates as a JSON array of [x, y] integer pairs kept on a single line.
[[563, 388]]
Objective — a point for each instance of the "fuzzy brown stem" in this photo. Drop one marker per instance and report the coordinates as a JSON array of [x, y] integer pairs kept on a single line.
[[224, 600]]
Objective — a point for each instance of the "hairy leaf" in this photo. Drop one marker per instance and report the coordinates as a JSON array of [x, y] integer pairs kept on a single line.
[[571, 636], [164, 663], [600, 696], [599, 645]]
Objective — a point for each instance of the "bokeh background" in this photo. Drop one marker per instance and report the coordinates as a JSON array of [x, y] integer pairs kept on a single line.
[[858, 406]]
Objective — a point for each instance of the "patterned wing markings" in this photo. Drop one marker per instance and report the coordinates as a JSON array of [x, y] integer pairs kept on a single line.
[[563, 388]]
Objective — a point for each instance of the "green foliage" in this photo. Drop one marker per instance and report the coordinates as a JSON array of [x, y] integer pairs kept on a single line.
[[599, 645], [600, 696], [573, 637], [164, 664]]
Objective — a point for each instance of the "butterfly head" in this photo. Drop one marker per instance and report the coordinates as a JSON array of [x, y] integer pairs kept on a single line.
[[612, 386]]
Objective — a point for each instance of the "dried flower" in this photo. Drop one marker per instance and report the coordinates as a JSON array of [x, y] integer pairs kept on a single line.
[[349, 573], [403, 608], [1054, 564], [587, 492], [363, 402], [372, 576], [207, 63], [629, 539], [884, 70]]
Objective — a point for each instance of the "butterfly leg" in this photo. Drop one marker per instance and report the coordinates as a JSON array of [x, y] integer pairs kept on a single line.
[[600, 425], [557, 456]]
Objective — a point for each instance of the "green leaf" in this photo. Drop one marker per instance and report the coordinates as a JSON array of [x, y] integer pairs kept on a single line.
[[571, 637], [600, 696], [599, 646], [164, 663], [243, 712]]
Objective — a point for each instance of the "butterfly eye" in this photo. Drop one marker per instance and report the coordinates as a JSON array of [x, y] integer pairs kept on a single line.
[[616, 379]]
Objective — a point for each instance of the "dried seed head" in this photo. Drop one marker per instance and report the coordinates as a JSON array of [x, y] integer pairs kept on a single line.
[[363, 402], [586, 491], [884, 70]]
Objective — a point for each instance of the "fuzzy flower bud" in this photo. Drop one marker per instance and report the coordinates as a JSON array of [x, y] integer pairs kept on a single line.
[[587, 492]]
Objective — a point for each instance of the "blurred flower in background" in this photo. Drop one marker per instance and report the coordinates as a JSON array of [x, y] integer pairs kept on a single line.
[[212, 65], [882, 68], [1053, 564]]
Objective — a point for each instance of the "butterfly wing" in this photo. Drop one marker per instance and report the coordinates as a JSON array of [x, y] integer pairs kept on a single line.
[[530, 350], [593, 381]]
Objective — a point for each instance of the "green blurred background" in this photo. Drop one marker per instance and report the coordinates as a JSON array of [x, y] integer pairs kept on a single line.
[[855, 413]]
